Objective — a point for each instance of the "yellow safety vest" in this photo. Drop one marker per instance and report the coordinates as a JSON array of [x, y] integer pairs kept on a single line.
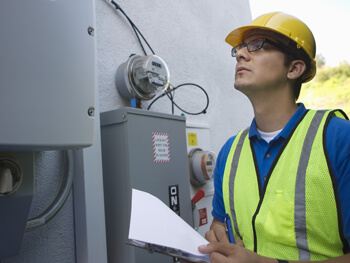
[[295, 216]]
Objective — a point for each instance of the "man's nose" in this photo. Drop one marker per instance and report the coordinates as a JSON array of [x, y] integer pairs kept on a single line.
[[242, 53]]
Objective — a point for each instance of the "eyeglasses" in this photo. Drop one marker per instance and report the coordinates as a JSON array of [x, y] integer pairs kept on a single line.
[[254, 45]]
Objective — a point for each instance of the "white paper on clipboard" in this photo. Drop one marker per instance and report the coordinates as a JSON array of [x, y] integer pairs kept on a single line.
[[153, 222]]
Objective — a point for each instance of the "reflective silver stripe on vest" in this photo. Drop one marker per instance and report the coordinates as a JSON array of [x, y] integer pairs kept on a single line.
[[300, 207], [233, 173]]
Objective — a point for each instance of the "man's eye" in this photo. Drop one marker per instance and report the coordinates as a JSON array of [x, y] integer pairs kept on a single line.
[[255, 46]]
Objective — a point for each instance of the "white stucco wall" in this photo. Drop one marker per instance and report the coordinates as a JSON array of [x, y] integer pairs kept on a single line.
[[189, 35]]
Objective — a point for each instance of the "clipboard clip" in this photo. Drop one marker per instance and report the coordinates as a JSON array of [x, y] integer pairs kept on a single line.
[[150, 248]]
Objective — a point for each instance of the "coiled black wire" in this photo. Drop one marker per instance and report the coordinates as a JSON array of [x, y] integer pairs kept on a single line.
[[170, 94]]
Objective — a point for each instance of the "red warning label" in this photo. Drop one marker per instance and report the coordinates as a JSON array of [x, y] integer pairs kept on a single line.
[[203, 218], [161, 149]]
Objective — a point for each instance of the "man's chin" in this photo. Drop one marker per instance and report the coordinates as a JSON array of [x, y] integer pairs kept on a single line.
[[244, 88], [239, 86]]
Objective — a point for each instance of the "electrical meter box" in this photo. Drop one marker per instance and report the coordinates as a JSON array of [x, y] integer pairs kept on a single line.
[[47, 74], [199, 143], [147, 151]]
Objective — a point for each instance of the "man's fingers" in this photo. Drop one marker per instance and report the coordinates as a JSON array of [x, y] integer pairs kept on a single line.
[[221, 236], [218, 258], [222, 248], [217, 232], [204, 249], [210, 236], [216, 235]]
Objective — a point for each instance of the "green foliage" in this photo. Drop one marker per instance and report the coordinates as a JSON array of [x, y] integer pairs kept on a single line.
[[330, 89]]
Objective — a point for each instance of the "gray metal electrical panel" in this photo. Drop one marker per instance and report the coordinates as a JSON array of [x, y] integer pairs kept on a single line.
[[146, 151], [47, 74]]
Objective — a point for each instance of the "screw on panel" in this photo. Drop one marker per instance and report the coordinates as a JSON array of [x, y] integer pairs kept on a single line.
[[91, 112], [91, 31]]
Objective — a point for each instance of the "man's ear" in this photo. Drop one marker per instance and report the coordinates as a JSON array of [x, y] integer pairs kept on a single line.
[[296, 69]]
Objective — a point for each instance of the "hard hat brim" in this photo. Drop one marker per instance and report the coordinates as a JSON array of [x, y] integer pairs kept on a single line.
[[236, 36]]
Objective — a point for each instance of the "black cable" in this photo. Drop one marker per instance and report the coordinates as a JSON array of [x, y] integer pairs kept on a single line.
[[137, 32], [171, 98], [169, 90], [153, 101], [170, 93], [206, 94], [134, 27]]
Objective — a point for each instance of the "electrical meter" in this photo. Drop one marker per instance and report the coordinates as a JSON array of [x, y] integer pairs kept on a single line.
[[142, 77], [202, 165]]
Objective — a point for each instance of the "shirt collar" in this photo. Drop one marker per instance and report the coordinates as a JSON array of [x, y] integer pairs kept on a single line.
[[253, 131]]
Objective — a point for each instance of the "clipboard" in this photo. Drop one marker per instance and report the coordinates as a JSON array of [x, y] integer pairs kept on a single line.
[[165, 233], [152, 248]]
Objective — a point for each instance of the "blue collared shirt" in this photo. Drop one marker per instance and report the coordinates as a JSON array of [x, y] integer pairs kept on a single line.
[[338, 147]]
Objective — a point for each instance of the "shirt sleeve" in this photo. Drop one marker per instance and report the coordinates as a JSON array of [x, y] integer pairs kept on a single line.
[[338, 148], [218, 202]]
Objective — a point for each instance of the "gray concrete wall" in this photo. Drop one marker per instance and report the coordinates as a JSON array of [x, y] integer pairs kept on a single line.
[[189, 35]]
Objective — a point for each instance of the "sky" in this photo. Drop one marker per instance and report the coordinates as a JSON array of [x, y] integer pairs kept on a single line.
[[329, 20]]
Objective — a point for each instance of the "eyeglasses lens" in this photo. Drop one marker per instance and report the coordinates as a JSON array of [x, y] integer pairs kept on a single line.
[[253, 45]]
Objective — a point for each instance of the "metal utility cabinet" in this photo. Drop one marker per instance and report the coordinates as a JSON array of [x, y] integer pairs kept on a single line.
[[146, 151]]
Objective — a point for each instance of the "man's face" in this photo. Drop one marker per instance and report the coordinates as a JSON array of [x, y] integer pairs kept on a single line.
[[261, 70]]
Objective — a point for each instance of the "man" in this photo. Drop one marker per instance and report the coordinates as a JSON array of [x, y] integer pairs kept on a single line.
[[284, 182]]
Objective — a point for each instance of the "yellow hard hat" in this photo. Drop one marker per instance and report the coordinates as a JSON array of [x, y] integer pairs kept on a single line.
[[287, 25]]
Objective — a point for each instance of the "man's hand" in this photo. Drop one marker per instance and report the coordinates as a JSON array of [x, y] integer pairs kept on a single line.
[[222, 252], [217, 233]]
